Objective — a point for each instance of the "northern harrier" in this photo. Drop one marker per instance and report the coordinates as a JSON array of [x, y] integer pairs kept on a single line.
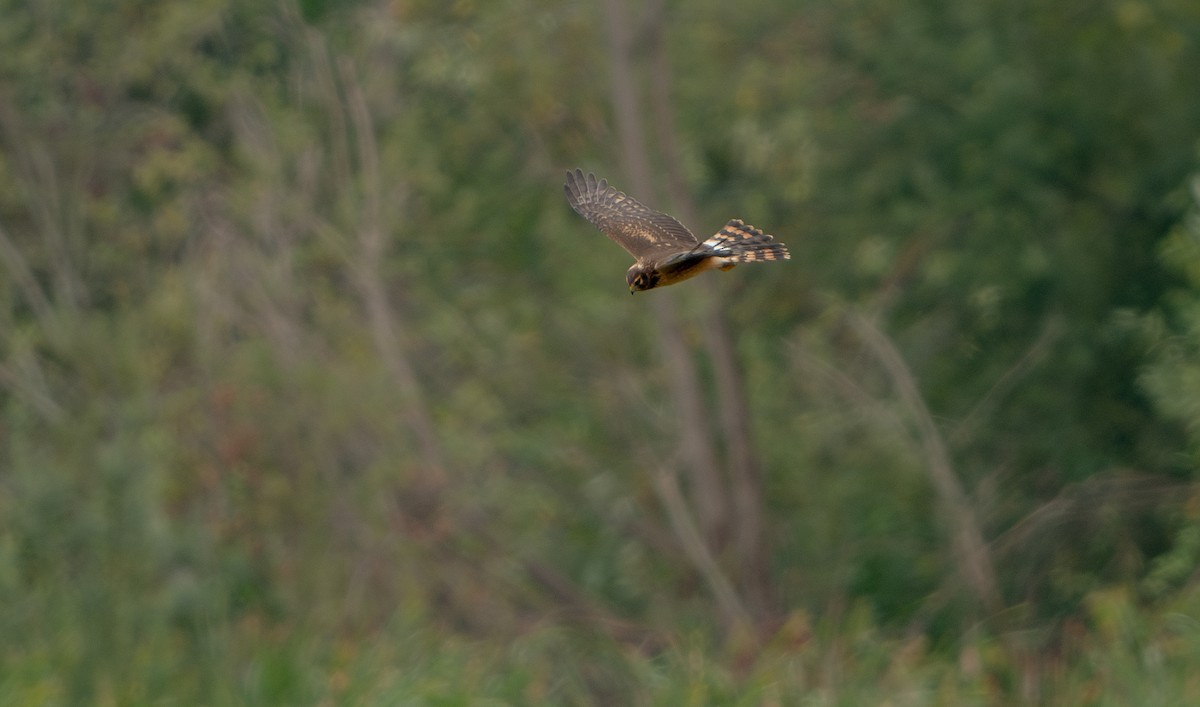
[[665, 251]]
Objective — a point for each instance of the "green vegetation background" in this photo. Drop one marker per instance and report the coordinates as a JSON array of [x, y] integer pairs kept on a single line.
[[313, 390]]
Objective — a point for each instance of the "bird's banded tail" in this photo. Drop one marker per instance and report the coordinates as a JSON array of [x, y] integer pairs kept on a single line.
[[744, 243]]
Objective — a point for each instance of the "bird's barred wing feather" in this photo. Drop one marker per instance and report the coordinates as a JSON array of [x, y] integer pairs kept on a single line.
[[647, 234], [745, 243]]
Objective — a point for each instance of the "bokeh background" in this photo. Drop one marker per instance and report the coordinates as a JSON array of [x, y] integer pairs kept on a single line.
[[313, 389]]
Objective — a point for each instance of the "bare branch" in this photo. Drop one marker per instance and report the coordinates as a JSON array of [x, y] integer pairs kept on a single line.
[[732, 610], [48, 206], [381, 316], [974, 557], [696, 446], [1089, 500], [748, 526], [699, 453], [339, 132], [625, 100]]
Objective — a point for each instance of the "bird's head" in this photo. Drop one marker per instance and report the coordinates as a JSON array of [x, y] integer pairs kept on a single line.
[[641, 278]]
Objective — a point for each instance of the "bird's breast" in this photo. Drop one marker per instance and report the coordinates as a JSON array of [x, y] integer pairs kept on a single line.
[[688, 267]]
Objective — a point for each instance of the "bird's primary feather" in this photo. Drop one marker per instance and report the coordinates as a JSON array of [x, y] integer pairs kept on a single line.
[[640, 230]]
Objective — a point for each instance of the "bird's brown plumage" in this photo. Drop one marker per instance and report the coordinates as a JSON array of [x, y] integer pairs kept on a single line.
[[665, 251]]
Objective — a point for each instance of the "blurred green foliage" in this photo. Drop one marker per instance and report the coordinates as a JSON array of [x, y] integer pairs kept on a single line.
[[252, 253]]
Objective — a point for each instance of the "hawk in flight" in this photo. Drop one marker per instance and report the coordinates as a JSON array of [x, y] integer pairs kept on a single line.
[[665, 251]]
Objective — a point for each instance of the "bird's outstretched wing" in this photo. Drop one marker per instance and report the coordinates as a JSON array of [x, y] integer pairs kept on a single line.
[[647, 234]]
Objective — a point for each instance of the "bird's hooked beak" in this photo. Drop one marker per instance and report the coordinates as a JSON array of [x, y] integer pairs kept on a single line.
[[631, 290]]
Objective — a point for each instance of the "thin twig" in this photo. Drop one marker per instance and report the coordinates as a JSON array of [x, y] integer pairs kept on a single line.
[[1051, 329], [37, 397], [849, 389], [33, 293]]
